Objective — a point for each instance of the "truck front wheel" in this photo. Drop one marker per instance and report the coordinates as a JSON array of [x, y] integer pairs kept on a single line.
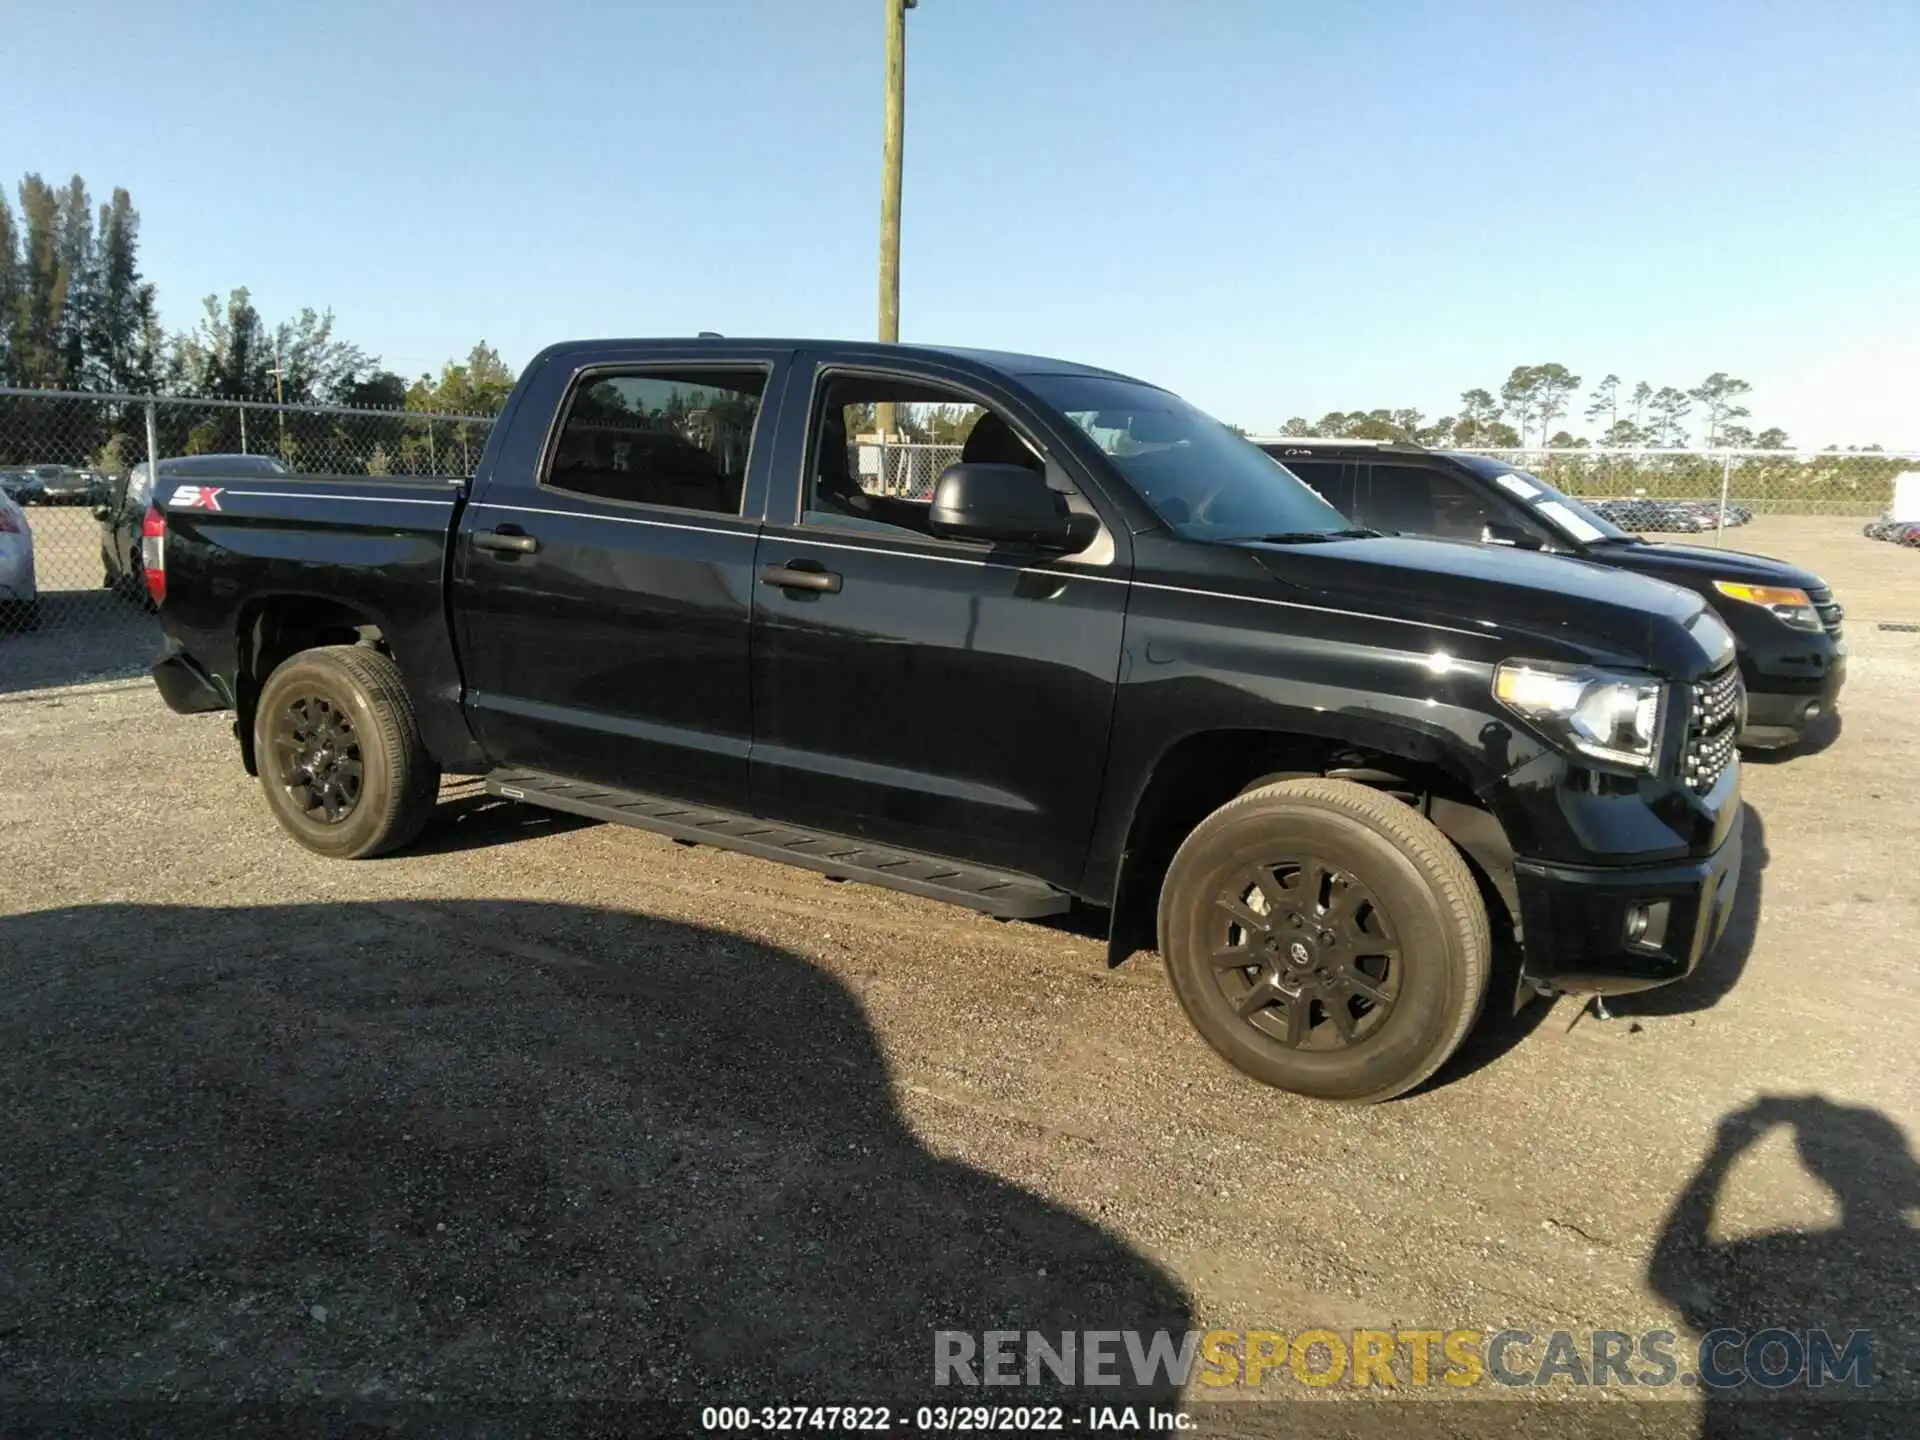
[[340, 755], [1325, 939]]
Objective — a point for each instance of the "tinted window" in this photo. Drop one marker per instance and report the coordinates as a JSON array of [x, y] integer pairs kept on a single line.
[[679, 439], [1203, 480], [1331, 480], [881, 443], [1419, 500]]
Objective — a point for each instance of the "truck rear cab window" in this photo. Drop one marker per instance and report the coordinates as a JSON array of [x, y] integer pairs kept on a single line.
[[678, 438]]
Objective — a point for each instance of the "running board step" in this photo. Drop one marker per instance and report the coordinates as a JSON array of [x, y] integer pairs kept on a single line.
[[996, 892]]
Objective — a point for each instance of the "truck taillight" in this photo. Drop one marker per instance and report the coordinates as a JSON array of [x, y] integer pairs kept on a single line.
[[153, 552], [9, 525]]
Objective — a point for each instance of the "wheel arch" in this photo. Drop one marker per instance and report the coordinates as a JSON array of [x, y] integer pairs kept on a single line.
[[271, 629], [1201, 771]]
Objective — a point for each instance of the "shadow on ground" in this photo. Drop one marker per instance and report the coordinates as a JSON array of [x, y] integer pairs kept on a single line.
[[1861, 1277], [83, 635], [1821, 735], [487, 1149], [468, 818]]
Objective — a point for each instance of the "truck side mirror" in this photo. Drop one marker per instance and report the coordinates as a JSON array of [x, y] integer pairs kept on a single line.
[[1008, 503]]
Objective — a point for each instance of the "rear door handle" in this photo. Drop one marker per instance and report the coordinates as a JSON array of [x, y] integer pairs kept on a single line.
[[788, 577], [503, 539]]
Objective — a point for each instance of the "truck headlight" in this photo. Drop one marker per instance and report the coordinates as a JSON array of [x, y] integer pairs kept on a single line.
[[1608, 714], [1792, 608]]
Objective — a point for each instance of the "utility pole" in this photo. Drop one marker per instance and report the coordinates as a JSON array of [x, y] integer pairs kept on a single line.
[[280, 396], [896, 118]]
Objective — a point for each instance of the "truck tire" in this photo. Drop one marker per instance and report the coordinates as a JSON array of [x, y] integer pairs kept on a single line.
[[1365, 942], [340, 755]]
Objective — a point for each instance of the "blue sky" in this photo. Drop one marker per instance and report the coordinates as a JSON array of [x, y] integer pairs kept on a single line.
[[1276, 208]]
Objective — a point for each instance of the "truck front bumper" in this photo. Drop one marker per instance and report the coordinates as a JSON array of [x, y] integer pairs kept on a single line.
[[1613, 930]]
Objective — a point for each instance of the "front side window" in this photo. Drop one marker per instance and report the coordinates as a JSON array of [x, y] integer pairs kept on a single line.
[[880, 444], [663, 437], [1204, 481]]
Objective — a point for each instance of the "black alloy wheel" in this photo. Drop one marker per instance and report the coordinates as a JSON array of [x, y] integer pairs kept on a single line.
[[1325, 938], [317, 753], [1305, 953]]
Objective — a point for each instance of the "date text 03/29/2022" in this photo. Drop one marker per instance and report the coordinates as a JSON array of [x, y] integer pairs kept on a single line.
[[947, 1419]]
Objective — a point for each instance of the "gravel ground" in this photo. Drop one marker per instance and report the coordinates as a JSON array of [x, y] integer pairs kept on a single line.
[[546, 1110]]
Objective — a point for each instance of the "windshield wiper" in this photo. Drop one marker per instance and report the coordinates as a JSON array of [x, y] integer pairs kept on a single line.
[[1307, 537]]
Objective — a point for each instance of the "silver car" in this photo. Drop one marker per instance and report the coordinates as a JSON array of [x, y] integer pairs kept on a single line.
[[19, 593]]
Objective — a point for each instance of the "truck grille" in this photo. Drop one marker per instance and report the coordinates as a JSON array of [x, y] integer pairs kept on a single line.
[[1713, 727], [1830, 610]]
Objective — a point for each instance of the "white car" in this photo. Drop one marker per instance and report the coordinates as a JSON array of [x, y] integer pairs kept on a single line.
[[19, 595]]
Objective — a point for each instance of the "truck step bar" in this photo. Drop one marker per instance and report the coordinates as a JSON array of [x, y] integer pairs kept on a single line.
[[997, 892]]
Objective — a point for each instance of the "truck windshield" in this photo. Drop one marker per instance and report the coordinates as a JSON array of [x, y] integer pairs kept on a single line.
[[1203, 480]]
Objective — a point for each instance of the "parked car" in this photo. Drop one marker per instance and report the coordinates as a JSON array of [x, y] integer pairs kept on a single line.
[[1120, 658], [19, 592], [1793, 654], [60, 484], [123, 513], [23, 487], [1900, 532], [1641, 514]]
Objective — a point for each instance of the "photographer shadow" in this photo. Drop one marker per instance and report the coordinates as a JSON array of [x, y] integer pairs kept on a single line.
[[1861, 1275], [494, 1150]]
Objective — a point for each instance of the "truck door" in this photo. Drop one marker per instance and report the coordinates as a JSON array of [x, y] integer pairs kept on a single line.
[[942, 696], [603, 574]]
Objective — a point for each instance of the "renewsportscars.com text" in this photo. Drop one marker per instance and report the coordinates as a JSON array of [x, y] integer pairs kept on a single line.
[[1771, 1357]]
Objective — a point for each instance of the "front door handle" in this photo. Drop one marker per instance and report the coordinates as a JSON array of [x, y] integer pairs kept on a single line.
[[511, 541], [790, 577]]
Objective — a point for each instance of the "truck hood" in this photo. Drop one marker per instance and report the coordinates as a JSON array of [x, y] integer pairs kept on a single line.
[[1698, 566], [1546, 606]]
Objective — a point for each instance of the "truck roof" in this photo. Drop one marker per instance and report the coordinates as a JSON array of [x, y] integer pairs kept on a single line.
[[1010, 361]]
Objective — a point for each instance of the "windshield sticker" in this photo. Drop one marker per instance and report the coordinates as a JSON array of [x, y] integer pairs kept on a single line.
[[1517, 484], [1570, 521]]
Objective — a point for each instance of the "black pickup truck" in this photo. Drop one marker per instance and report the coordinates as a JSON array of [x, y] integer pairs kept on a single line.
[[1118, 657], [1786, 624]]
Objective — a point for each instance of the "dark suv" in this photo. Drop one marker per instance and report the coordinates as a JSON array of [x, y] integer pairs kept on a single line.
[[1784, 619]]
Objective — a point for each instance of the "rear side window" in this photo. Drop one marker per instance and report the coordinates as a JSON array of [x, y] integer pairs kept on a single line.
[[1418, 500], [1331, 480], [676, 438]]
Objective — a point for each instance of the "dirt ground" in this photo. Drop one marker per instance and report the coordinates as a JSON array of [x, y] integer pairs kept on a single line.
[[547, 1110]]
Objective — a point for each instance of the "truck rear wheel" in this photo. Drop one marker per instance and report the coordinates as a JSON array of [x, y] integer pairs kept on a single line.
[[1325, 939], [340, 755]]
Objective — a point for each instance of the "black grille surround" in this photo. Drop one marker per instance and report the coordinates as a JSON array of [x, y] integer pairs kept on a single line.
[[1713, 728], [1831, 611]]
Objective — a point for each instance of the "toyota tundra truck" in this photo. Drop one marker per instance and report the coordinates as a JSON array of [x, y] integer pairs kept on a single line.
[[1091, 649]]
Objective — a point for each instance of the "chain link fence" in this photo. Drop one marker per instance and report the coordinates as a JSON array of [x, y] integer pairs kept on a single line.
[[1692, 490], [73, 600], [74, 467], [906, 470]]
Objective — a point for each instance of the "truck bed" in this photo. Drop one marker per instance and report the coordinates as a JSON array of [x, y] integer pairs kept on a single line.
[[236, 544]]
